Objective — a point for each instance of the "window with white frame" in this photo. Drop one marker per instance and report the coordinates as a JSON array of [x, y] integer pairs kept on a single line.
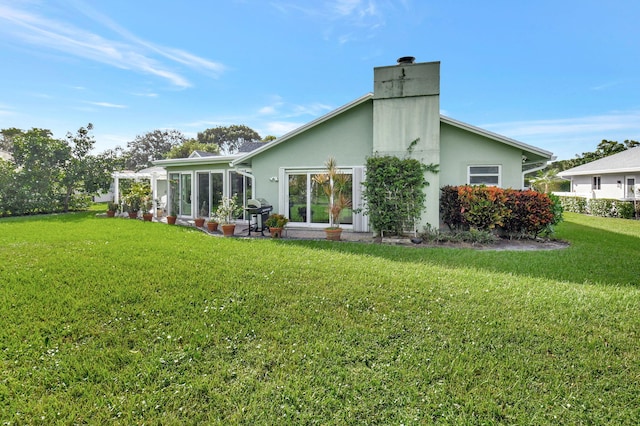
[[596, 183], [308, 201], [484, 175]]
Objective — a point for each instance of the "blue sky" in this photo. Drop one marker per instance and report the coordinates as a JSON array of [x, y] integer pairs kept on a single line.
[[561, 75]]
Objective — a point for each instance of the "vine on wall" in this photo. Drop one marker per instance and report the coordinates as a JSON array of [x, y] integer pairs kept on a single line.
[[394, 193]]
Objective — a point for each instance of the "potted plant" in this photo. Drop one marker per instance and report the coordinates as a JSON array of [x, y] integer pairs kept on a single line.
[[135, 198], [203, 212], [174, 209], [334, 184], [276, 222], [212, 224], [112, 207], [147, 206], [228, 210]]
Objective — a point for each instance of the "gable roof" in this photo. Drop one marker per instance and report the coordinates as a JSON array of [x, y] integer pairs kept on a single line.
[[495, 136], [198, 154], [301, 129], [622, 162], [547, 155]]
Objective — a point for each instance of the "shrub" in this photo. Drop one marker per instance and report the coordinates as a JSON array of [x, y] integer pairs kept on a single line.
[[607, 207], [530, 213], [450, 208], [626, 209], [472, 236], [574, 204], [517, 213], [394, 193], [482, 207]]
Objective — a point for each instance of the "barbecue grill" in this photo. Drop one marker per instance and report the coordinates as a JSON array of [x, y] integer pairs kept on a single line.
[[258, 211]]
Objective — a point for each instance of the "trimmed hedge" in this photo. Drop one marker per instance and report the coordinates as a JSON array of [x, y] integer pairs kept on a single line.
[[516, 213], [574, 204], [603, 207], [606, 207]]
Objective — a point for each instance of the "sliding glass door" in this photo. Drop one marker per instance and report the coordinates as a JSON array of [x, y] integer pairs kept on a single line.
[[309, 202]]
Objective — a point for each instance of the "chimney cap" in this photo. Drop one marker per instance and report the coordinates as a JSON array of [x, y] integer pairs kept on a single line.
[[406, 60]]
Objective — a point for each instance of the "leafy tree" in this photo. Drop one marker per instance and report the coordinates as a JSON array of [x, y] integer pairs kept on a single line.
[[7, 187], [604, 149], [228, 138], [83, 173], [154, 145], [6, 138], [40, 159], [76, 165], [187, 147], [269, 138]]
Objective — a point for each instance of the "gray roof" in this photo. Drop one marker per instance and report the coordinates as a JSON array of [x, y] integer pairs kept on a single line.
[[200, 154], [249, 146], [627, 161]]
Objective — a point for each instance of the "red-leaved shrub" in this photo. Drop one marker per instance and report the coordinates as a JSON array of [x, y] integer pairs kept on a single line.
[[516, 213]]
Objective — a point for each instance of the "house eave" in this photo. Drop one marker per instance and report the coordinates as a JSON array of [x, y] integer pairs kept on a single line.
[[175, 162], [599, 172]]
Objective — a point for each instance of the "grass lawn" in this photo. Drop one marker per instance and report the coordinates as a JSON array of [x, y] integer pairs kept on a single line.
[[125, 322]]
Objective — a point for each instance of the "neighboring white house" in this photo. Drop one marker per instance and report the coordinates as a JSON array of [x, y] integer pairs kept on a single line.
[[615, 177]]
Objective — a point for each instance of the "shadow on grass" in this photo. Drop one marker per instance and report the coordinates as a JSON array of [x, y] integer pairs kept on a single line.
[[595, 256]]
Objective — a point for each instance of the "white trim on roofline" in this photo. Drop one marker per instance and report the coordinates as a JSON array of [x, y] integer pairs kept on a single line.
[[219, 159], [599, 172], [303, 128], [495, 136]]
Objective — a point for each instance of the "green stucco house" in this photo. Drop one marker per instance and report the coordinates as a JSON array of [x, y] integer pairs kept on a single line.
[[403, 108]]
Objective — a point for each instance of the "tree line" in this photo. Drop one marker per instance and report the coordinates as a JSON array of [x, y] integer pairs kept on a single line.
[[46, 175]]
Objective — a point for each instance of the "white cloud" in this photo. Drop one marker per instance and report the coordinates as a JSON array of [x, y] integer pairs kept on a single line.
[[146, 95], [107, 105], [570, 126], [130, 53], [566, 137], [344, 20], [314, 109], [286, 110], [5, 110], [279, 128], [267, 110]]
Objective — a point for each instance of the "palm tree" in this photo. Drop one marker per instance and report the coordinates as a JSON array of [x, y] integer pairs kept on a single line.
[[544, 179]]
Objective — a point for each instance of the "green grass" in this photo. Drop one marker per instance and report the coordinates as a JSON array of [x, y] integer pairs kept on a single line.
[[125, 322]]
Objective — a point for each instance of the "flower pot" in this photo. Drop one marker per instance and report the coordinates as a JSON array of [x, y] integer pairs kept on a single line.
[[199, 222], [171, 220], [275, 232], [228, 229], [212, 226], [133, 215], [111, 213], [147, 217], [333, 234]]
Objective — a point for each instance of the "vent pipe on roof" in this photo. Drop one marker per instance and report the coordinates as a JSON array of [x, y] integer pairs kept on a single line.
[[406, 60]]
